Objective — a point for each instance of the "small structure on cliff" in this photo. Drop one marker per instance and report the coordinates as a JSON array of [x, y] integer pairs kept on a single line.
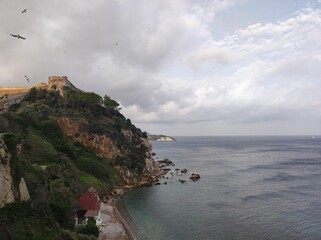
[[88, 206], [58, 83]]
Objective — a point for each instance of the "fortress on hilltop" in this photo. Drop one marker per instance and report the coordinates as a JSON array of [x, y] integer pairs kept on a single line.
[[13, 95], [56, 82]]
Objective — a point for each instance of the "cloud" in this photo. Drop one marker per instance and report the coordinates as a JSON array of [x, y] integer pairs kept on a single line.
[[276, 76], [159, 59]]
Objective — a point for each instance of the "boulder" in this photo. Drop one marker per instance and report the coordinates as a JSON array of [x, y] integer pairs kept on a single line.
[[165, 162], [195, 177], [184, 170], [24, 193]]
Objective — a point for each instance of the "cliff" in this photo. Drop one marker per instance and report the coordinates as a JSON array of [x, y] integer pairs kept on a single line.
[[59, 141], [7, 187], [6, 182]]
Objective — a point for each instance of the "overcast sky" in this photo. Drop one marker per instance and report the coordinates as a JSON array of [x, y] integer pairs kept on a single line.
[[177, 67]]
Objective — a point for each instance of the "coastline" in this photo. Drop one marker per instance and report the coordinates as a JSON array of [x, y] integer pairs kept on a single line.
[[114, 226], [124, 222]]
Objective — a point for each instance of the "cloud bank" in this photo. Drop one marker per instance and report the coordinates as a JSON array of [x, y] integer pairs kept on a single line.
[[161, 61]]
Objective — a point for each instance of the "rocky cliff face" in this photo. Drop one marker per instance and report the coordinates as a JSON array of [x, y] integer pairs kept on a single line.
[[6, 181], [24, 193], [151, 165], [105, 147], [102, 145]]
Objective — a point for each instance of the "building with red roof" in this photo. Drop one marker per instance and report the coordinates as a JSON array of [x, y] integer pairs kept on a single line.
[[88, 206]]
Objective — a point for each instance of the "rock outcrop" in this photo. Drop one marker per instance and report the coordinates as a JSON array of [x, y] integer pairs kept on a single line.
[[24, 193], [152, 166], [161, 138], [6, 181], [102, 145]]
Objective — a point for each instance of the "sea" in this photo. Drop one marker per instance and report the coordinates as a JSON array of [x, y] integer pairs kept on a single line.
[[258, 187]]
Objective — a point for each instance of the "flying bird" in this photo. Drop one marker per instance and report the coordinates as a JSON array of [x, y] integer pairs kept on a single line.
[[27, 78], [17, 36], [24, 11], [65, 52]]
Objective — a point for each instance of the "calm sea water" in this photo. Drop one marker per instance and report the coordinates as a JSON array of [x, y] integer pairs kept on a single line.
[[250, 188]]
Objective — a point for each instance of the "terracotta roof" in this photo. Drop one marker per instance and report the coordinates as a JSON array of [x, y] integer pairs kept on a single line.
[[91, 213], [88, 201]]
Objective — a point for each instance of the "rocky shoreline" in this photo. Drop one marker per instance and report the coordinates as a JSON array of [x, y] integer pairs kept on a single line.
[[114, 225]]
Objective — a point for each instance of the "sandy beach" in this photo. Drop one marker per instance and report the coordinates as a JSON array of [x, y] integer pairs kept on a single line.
[[113, 227]]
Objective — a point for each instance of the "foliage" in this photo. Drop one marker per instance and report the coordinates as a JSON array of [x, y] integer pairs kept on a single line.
[[50, 97], [11, 140], [62, 207], [54, 133], [12, 123], [110, 103], [78, 99], [89, 229], [90, 180], [93, 166]]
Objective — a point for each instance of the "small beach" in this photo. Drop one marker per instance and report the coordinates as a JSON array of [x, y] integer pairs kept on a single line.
[[113, 226]]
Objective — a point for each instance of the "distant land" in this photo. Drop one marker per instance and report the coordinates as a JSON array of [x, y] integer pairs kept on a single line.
[[161, 138]]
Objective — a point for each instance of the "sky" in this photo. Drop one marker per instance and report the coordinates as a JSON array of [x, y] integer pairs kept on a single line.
[[177, 67]]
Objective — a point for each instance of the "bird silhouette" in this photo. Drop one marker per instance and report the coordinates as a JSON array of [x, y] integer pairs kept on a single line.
[[24, 11], [17, 36], [27, 78]]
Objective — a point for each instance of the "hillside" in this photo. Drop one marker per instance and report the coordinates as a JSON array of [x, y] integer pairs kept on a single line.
[[55, 143]]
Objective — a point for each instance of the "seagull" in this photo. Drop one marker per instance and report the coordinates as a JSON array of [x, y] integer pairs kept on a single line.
[[17, 36], [27, 78], [65, 52], [24, 11], [116, 44]]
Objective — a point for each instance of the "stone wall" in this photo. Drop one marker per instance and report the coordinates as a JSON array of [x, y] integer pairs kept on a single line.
[[58, 83], [13, 90]]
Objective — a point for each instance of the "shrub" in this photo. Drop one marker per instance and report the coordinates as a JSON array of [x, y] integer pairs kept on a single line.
[[89, 229], [60, 202], [93, 166]]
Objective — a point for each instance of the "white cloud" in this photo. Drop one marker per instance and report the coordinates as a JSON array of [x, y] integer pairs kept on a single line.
[[276, 79], [166, 68]]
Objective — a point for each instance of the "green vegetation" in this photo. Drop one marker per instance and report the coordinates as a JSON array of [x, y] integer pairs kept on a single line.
[[110, 103], [89, 229], [57, 168]]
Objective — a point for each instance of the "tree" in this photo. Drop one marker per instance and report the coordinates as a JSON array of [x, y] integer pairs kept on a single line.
[[110, 103], [77, 99]]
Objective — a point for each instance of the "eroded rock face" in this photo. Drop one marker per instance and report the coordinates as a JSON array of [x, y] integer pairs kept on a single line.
[[6, 181], [151, 165], [102, 145], [24, 193]]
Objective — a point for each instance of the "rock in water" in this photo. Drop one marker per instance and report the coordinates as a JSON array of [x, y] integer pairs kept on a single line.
[[195, 177]]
